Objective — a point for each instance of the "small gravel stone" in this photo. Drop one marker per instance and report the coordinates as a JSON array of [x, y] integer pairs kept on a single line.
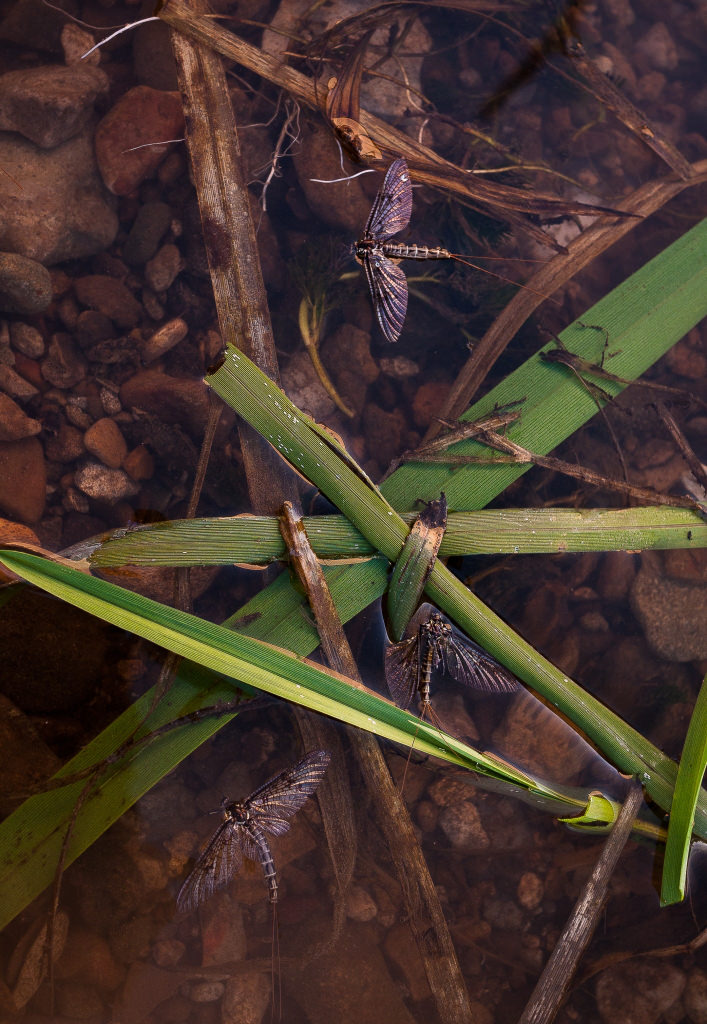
[[165, 338], [360, 906], [27, 340], [93, 327], [25, 285], [638, 991], [110, 402], [14, 422], [671, 612], [530, 890], [151, 223], [399, 367], [173, 399], [16, 386], [75, 42], [105, 441], [246, 999], [139, 464], [206, 991], [109, 296], [63, 365], [162, 270], [104, 484], [168, 952], [462, 826], [658, 48], [66, 445]]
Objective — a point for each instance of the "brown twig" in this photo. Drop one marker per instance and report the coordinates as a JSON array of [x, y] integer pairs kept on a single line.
[[555, 273], [515, 453], [551, 989], [425, 912]]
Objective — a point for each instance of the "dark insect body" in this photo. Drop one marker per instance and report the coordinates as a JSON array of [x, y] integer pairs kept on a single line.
[[434, 644], [245, 827]]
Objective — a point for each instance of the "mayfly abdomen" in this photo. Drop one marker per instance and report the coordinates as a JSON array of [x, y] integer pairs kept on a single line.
[[402, 251], [265, 858]]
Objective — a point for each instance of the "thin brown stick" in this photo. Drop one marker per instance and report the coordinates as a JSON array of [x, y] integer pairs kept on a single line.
[[424, 909], [555, 273], [508, 202], [551, 989], [696, 467], [515, 453], [230, 241]]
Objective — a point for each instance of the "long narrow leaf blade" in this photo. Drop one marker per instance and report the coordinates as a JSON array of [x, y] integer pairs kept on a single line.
[[682, 813]]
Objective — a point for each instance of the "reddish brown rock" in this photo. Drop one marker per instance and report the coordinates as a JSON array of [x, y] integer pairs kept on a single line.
[[139, 464], [334, 988], [401, 948], [27, 761], [105, 441], [88, 955], [347, 356], [164, 338], [14, 422], [671, 611], [643, 990], [109, 296], [23, 479], [25, 285], [61, 212], [66, 444], [428, 401], [142, 117], [686, 360], [162, 270], [386, 433], [63, 365], [173, 399], [104, 484]]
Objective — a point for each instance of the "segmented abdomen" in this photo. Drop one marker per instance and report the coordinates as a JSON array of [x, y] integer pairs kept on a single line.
[[265, 858], [400, 251]]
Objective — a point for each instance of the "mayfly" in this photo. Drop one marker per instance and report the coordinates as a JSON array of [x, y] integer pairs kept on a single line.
[[244, 830], [433, 643], [390, 214]]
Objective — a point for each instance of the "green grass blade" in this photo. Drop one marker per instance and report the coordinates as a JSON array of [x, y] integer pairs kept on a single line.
[[256, 540], [682, 813], [253, 395], [643, 317], [251, 661]]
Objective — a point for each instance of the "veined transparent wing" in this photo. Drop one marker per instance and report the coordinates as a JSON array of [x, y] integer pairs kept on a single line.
[[389, 291], [282, 796], [402, 670], [392, 207], [470, 664], [215, 867]]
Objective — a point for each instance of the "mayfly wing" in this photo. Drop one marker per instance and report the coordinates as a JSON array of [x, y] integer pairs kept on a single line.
[[215, 867], [402, 670], [389, 290], [392, 207], [470, 664], [282, 796]]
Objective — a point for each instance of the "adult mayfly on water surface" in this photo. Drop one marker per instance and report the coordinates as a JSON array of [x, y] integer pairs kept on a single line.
[[390, 213], [245, 827]]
